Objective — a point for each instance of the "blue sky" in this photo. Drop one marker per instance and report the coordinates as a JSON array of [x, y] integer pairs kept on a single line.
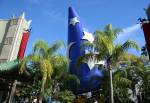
[[49, 17]]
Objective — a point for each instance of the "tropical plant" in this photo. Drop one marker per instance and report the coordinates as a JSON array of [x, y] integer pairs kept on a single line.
[[104, 48], [138, 73], [122, 86], [132, 80], [61, 78], [66, 96], [42, 62]]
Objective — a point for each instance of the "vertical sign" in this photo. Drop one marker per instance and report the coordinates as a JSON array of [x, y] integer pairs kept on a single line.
[[23, 44]]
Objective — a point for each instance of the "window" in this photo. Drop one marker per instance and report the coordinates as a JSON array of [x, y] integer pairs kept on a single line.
[[8, 41], [14, 22]]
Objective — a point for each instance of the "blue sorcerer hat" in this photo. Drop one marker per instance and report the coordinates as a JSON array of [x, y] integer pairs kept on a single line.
[[75, 38]]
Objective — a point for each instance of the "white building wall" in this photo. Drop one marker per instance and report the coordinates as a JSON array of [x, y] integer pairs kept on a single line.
[[23, 25], [3, 26], [12, 30]]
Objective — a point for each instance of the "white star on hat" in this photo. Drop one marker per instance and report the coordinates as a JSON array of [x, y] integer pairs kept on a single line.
[[73, 21]]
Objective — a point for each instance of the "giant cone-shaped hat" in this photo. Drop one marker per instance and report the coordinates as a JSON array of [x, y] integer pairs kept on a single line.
[[84, 73]]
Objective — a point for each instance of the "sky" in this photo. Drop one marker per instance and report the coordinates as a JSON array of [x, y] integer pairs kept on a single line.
[[50, 17]]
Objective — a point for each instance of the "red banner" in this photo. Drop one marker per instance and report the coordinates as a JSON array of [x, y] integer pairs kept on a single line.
[[23, 44], [146, 29]]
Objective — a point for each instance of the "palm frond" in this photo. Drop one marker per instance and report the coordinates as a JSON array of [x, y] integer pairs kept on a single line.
[[121, 72], [121, 82], [40, 47], [130, 44], [117, 31], [120, 78], [60, 66], [103, 42], [117, 52], [120, 51], [112, 33], [87, 45], [54, 47], [84, 59], [33, 57]]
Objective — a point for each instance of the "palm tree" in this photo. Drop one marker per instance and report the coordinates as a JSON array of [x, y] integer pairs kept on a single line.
[[121, 85], [42, 60], [138, 73], [104, 48], [61, 78]]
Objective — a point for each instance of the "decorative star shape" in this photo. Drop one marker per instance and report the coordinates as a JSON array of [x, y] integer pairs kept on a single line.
[[88, 36], [73, 21]]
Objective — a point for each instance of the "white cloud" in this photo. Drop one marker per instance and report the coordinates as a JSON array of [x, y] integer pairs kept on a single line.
[[134, 33], [131, 29], [131, 32]]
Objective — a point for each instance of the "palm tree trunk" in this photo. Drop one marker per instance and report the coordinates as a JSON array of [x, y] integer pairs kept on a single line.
[[42, 89], [54, 88], [110, 83], [7, 95], [40, 98], [41, 94], [12, 92]]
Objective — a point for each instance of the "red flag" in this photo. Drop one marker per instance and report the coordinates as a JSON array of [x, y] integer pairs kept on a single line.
[[23, 44], [146, 29]]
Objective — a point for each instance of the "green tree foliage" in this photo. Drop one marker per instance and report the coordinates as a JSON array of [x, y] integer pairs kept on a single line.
[[104, 48], [51, 68], [138, 73], [132, 81], [66, 96], [42, 60]]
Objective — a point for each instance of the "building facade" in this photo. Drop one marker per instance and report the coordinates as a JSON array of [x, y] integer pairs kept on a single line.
[[11, 32]]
